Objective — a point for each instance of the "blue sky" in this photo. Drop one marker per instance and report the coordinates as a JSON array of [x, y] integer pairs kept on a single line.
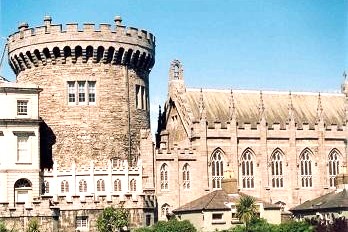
[[298, 45]]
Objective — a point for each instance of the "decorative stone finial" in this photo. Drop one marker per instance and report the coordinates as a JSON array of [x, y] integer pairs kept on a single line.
[[232, 107], [261, 107], [290, 109], [202, 111], [319, 109], [118, 20]]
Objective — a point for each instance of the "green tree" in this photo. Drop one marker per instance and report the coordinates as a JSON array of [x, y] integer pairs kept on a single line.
[[33, 225], [246, 210], [113, 219]]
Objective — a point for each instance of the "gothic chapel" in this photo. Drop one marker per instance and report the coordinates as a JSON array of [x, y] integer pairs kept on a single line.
[[282, 147]]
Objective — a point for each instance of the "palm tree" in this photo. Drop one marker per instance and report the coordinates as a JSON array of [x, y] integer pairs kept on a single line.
[[246, 209]]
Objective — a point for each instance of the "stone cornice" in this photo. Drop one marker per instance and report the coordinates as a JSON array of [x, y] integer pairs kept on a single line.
[[20, 121], [20, 90]]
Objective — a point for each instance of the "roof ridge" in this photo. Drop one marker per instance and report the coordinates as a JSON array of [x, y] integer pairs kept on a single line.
[[211, 199]]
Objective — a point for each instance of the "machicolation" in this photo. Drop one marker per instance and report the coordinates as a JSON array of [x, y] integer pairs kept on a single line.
[[49, 43]]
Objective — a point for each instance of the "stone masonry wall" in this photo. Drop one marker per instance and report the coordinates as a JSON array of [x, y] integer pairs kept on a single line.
[[89, 132]]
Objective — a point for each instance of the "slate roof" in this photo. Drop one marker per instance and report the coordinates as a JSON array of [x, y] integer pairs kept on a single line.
[[276, 106], [216, 200], [331, 200]]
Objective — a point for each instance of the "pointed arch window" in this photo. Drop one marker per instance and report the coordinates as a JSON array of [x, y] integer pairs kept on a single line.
[[133, 185], [186, 176], [334, 164], [165, 210], [117, 185], [277, 169], [164, 177], [306, 169], [217, 169], [82, 186], [248, 169], [100, 185], [64, 186]]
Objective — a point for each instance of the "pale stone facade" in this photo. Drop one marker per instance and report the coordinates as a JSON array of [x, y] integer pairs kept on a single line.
[[93, 143], [284, 148], [19, 140]]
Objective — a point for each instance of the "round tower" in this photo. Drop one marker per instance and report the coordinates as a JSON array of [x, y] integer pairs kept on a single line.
[[95, 82]]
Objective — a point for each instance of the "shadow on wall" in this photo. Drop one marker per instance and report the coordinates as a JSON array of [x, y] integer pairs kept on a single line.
[[47, 140]]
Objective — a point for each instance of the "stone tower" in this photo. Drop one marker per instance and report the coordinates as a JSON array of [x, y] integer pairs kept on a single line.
[[95, 82]]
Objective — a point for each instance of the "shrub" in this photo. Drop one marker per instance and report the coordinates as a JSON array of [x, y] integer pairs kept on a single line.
[[33, 225], [113, 219], [172, 225]]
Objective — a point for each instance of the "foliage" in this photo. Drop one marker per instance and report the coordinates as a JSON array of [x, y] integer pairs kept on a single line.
[[3, 227], [144, 229], [33, 225], [261, 225], [113, 219], [246, 209], [172, 225], [295, 226], [337, 224]]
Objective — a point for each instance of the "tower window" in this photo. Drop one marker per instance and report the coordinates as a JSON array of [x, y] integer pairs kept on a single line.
[[91, 91], [141, 97], [81, 92], [71, 91]]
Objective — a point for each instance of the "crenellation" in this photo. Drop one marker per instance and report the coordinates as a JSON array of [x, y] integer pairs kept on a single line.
[[88, 27], [40, 30], [104, 28], [71, 28], [132, 31]]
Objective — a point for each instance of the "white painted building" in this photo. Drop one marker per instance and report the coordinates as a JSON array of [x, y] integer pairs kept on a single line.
[[19, 143]]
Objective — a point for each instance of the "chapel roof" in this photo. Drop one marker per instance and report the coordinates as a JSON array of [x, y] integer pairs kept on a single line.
[[275, 103]]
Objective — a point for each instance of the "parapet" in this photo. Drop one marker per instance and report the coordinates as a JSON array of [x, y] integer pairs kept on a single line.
[[50, 43]]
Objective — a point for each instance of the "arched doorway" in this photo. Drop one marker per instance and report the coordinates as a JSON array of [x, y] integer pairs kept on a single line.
[[22, 190]]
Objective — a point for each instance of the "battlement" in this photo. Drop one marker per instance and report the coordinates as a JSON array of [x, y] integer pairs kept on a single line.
[[276, 130], [50, 43]]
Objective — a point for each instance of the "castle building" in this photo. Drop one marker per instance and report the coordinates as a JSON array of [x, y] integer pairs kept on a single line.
[[88, 132], [282, 147]]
